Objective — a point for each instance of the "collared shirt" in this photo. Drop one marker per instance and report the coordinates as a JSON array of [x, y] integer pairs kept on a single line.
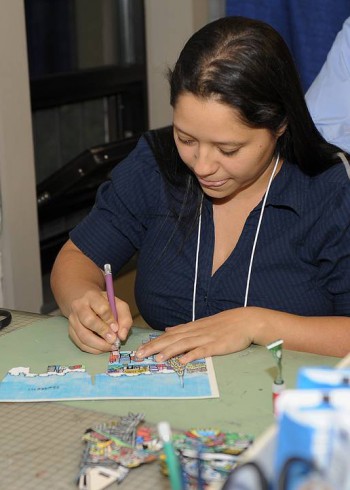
[[328, 98], [301, 262]]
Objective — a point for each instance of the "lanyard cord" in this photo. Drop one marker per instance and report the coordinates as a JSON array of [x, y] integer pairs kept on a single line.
[[345, 162], [258, 231], [253, 249], [197, 260]]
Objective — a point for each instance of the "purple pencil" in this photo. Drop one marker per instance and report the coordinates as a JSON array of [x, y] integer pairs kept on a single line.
[[111, 295]]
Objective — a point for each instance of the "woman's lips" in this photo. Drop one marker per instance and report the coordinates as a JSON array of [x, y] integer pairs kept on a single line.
[[211, 183]]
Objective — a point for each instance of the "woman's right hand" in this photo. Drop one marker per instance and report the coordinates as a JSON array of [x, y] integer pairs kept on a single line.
[[78, 286], [92, 326]]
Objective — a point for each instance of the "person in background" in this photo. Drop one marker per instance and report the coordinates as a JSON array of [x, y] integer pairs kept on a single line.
[[239, 212], [328, 97]]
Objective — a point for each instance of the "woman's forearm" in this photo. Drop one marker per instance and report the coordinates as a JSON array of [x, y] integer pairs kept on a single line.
[[320, 335], [72, 275]]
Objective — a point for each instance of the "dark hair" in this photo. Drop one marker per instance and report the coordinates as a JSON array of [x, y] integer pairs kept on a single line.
[[246, 64]]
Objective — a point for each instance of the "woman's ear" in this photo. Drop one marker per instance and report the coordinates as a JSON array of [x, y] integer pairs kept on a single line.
[[281, 130]]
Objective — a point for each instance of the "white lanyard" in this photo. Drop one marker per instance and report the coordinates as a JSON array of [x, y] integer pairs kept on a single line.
[[345, 162]]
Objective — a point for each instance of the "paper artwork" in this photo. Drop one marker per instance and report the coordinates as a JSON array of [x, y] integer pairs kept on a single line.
[[126, 377]]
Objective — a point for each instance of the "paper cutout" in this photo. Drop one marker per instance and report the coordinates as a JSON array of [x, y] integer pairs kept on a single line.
[[100, 477], [126, 377], [125, 363]]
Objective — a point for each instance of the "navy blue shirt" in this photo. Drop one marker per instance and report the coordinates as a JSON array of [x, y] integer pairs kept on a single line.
[[302, 258]]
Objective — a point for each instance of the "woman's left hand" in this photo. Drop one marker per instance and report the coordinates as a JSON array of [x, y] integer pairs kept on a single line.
[[223, 333]]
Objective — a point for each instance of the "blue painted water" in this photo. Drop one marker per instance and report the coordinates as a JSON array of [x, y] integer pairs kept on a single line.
[[77, 385]]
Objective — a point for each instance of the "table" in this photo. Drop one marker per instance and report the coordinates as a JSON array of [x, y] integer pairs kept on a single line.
[[41, 442]]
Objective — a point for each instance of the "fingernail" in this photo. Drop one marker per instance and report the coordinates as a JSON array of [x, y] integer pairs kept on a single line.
[[160, 357], [114, 327], [140, 353], [110, 337]]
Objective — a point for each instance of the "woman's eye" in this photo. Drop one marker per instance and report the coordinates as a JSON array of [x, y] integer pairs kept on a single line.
[[227, 153], [185, 142]]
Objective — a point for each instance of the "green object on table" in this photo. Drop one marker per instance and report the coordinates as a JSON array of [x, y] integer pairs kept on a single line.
[[276, 349], [172, 461]]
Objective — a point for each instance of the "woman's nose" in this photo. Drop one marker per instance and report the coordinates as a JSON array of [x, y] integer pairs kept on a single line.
[[204, 163]]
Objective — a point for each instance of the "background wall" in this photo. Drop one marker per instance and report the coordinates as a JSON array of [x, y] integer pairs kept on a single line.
[[19, 261], [169, 24]]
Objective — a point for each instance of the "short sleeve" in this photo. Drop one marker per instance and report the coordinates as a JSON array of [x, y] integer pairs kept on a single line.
[[125, 205]]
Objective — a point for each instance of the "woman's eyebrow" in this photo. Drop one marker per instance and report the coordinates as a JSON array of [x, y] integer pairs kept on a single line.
[[221, 143]]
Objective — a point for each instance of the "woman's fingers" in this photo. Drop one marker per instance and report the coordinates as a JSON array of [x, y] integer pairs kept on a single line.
[[174, 343], [84, 320], [219, 334], [92, 325], [87, 340], [124, 319]]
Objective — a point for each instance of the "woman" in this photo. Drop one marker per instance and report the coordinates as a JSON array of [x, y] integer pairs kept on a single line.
[[240, 214]]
